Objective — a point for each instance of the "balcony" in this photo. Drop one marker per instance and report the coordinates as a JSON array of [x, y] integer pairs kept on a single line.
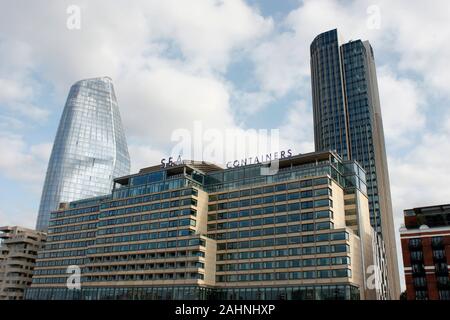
[[22, 254]]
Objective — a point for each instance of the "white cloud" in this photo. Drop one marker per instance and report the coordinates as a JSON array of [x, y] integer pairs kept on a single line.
[[280, 64], [20, 217], [207, 31], [22, 162], [18, 89], [166, 98], [402, 103], [249, 103], [199, 31], [11, 90], [297, 129], [144, 156], [420, 177], [420, 34]]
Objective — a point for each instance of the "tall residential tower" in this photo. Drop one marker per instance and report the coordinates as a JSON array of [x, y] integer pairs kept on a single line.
[[90, 148], [347, 118]]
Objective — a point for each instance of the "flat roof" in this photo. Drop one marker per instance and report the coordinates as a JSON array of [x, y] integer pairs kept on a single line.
[[208, 167]]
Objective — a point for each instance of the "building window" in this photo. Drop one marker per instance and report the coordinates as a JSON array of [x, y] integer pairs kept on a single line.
[[421, 295], [437, 242], [439, 254], [415, 243], [420, 282], [416, 255]]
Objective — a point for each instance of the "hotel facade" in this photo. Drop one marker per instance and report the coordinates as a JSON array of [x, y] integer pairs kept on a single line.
[[197, 231]]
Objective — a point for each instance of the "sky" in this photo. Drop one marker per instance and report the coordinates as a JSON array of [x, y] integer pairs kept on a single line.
[[234, 64]]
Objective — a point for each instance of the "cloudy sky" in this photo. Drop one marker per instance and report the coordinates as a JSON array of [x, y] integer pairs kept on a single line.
[[229, 64]]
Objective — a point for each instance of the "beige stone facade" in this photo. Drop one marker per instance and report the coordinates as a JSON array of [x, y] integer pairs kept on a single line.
[[210, 233], [18, 253]]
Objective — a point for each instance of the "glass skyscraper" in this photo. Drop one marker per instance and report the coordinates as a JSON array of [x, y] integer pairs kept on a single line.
[[347, 119], [90, 148]]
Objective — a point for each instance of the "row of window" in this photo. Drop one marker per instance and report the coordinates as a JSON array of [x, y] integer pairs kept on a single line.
[[280, 264], [147, 277], [123, 248], [337, 273], [286, 196], [79, 219], [274, 242], [123, 257], [71, 236], [87, 202], [288, 174], [274, 230], [157, 187], [65, 262], [323, 249], [61, 254], [127, 267], [154, 207], [436, 242], [126, 238], [293, 217], [269, 210], [148, 236], [277, 208], [271, 189], [148, 246], [438, 254], [62, 214], [148, 226], [68, 245], [124, 277], [142, 227], [316, 292], [147, 178], [78, 227], [124, 220], [149, 198], [148, 266]]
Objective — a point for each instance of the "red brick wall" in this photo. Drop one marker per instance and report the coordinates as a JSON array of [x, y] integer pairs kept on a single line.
[[432, 288]]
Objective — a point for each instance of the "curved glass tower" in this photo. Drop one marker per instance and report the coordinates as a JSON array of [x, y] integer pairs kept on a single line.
[[90, 148]]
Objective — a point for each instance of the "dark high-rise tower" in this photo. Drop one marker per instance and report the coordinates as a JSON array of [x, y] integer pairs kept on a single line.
[[347, 118]]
